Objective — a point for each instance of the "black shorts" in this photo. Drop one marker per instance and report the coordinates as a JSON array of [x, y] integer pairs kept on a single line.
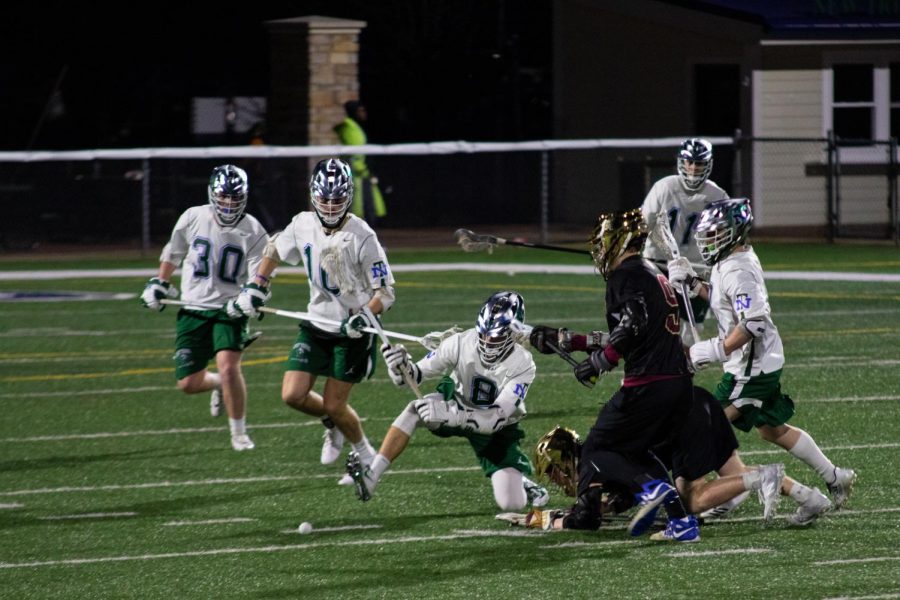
[[706, 440]]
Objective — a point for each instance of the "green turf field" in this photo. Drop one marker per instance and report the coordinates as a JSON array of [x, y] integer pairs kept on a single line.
[[114, 484]]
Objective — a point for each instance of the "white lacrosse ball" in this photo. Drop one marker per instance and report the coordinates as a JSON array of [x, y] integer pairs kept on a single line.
[[304, 528]]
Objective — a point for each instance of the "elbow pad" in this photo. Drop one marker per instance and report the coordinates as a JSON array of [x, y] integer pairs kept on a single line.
[[386, 296], [632, 323], [753, 327]]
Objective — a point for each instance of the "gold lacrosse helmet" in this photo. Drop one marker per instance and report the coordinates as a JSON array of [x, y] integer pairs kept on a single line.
[[556, 459], [614, 234]]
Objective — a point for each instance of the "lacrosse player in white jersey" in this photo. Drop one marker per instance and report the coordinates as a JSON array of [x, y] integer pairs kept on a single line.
[[218, 246], [333, 245], [481, 397], [750, 348], [682, 197]]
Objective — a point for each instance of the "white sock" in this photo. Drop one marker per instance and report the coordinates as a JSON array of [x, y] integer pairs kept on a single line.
[[800, 493], [752, 480], [379, 465], [808, 451], [365, 450], [238, 426]]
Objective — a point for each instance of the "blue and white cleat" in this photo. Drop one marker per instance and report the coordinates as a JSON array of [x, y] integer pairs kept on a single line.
[[679, 530], [655, 494]]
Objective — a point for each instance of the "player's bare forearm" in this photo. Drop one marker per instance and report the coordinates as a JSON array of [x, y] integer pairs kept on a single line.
[[375, 305], [264, 272], [736, 340], [166, 270]]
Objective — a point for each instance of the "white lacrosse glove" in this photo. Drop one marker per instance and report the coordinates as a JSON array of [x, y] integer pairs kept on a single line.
[[248, 302], [397, 360], [682, 273], [155, 290], [437, 412], [352, 326], [707, 351]]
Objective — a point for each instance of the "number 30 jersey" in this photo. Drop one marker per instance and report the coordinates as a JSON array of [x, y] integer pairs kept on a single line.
[[502, 385], [215, 261]]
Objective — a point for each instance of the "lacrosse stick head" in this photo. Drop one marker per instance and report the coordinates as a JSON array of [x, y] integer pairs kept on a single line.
[[470, 241], [661, 237], [432, 340], [340, 272], [615, 234], [556, 459]]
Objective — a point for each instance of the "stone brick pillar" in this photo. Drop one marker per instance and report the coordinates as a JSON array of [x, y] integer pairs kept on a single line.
[[314, 69]]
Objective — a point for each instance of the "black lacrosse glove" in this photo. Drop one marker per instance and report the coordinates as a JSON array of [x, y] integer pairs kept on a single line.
[[588, 370], [539, 337]]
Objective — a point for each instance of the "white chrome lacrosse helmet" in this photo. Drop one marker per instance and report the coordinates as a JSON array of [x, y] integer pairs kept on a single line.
[[228, 190], [723, 226], [695, 162], [498, 319], [331, 191]]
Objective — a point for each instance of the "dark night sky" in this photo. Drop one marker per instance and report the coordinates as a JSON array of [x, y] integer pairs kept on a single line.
[[430, 70]]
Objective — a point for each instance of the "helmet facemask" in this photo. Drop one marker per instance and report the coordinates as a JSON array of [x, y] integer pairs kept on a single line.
[[227, 192], [695, 162], [331, 191], [614, 234], [500, 317], [723, 226]]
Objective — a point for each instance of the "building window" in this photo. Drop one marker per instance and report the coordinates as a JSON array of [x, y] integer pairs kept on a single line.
[[854, 101]]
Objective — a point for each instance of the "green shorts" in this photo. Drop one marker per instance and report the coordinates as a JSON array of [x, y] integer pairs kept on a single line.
[[759, 400], [333, 355], [496, 451], [200, 334]]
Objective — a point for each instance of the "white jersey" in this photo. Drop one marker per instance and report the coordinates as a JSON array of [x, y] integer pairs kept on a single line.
[[737, 291], [683, 208], [361, 255], [215, 261], [502, 385]]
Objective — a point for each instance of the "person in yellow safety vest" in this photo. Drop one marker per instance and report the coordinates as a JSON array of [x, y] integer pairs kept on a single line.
[[368, 203]]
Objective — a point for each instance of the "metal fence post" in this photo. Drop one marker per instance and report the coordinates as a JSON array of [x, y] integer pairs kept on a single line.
[[892, 190], [145, 207], [829, 188], [545, 195], [737, 179]]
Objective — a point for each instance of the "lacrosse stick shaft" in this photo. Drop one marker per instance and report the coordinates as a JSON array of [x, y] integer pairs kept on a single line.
[[662, 237], [407, 377], [473, 242], [203, 305], [566, 357], [302, 316]]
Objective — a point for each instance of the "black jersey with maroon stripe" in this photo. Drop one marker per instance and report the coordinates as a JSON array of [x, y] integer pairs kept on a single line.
[[641, 300]]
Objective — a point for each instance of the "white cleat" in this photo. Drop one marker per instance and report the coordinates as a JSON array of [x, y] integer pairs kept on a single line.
[[332, 444], [817, 505], [215, 402], [537, 495], [770, 488], [842, 486], [345, 480], [242, 442]]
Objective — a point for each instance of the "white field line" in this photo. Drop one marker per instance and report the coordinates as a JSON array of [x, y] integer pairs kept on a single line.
[[460, 535], [209, 522], [333, 529], [853, 561], [98, 515], [218, 481], [11, 505], [581, 545], [876, 597], [511, 268], [708, 553]]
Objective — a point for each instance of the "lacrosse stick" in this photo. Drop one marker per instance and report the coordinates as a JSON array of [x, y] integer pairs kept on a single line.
[[405, 373], [429, 341], [568, 358], [662, 238], [473, 242]]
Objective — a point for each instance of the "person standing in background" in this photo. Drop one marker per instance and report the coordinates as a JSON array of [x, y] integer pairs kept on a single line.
[[368, 203]]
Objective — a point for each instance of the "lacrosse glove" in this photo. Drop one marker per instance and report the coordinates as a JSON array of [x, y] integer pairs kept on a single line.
[[248, 302], [156, 290], [353, 325]]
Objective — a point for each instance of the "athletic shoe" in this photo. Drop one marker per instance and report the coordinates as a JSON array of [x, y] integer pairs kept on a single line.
[[842, 486], [723, 510], [770, 488], [679, 530], [215, 402], [242, 442], [345, 480], [537, 495], [817, 505], [361, 475], [654, 495], [332, 443]]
